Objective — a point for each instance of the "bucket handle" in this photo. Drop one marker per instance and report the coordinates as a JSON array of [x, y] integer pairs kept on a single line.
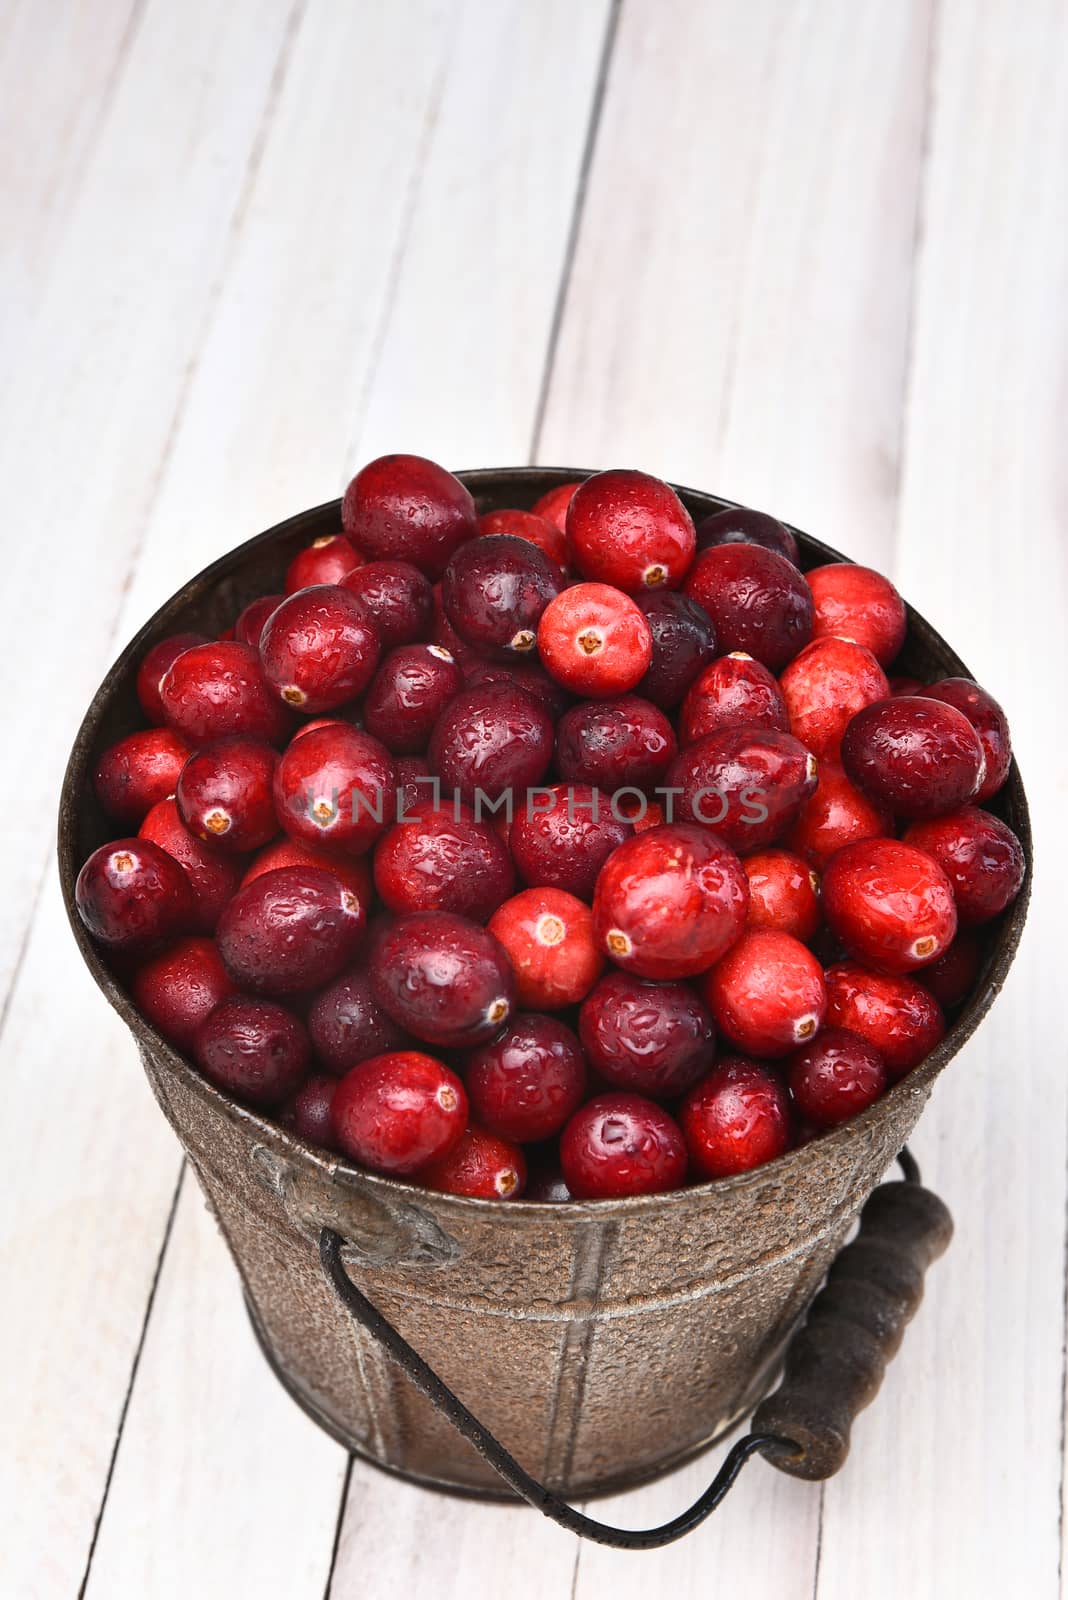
[[833, 1366]]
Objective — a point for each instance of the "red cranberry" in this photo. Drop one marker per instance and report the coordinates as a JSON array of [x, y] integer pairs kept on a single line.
[[494, 592], [525, 1084], [917, 756], [749, 784], [613, 744], [981, 857], [527, 675], [554, 503], [290, 930], [397, 598], [178, 989], [654, 1038], [224, 794], [737, 525], [443, 978], [595, 641], [954, 975], [856, 603], [767, 993], [136, 773], [546, 1185], [347, 1025], [436, 862], [408, 693], [404, 508], [784, 893], [319, 648], [735, 1119], [326, 560], [213, 877], [734, 692], [895, 1014], [905, 685], [480, 1166], [889, 903], [835, 1077], [836, 815], [248, 629], [548, 536], [684, 642], [132, 895], [548, 937], [415, 783], [490, 740], [622, 1144], [564, 836], [355, 874], [335, 788], [644, 816], [758, 602], [308, 1113], [398, 1112], [217, 689], [989, 722], [825, 686], [254, 1049], [669, 902], [630, 530], [154, 668]]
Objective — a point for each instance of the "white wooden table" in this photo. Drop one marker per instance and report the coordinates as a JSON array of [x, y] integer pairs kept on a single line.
[[813, 255]]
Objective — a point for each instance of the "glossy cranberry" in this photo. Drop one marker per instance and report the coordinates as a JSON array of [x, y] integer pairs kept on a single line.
[[835, 1077], [735, 1119], [254, 1049], [154, 667], [434, 861], [622, 1144], [613, 744], [525, 1084], [630, 530], [894, 1013], [758, 602], [548, 536], [136, 773], [784, 893], [737, 525], [405, 508], [214, 878], [546, 1185], [480, 1166], [981, 857], [290, 930], [415, 783], [326, 560], [857, 603], [248, 628], [836, 815], [954, 975], [224, 794], [670, 902], [548, 937], [398, 1112], [397, 598], [319, 648], [443, 978], [335, 789], [749, 784], [180, 988], [595, 641], [308, 1113], [563, 836], [408, 693], [654, 1038], [492, 739], [213, 690], [494, 591], [917, 756], [554, 503], [733, 692], [767, 993], [347, 1025], [131, 895], [527, 675], [825, 686], [890, 904], [989, 722], [684, 642], [353, 872]]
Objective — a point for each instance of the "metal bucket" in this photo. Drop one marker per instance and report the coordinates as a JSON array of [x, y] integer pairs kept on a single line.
[[602, 1342]]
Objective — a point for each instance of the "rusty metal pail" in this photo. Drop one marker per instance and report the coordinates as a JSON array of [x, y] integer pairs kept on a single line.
[[602, 1342]]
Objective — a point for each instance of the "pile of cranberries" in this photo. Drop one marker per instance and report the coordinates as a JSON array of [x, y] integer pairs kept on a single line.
[[573, 851]]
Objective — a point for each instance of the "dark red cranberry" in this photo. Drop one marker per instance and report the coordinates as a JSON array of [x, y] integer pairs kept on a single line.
[[563, 836], [217, 689], [622, 1144], [546, 1185], [248, 629], [434, 861], [614, 744], [442, 632], [354, 873], [890, 904], [398, 1112], [669, 902], [548, 937], [954, 975], [326, 560], [757, 600], [749, 784], [136, 773], [894, 1013], [132, 895], [525, 1084], [554, 503], [254, 1049], [408, 693], [737, 525], [443, 978], [918, 757], [684, 642], [981, 857], [180, 988], [836, 815], [989, 722], [319, 648], [735, 1119], [733, 692], [335, 789], [308, 1113], [527, 675], [290, 930], [595, 641], [480, 1166], [767, 993], [224, 794], [548, 536], [835, 1077], [415, 783], [404, 508], [784, 893], [347, 1025], [630, 530], [397, 598], [654, 1038], [213, 877], [902, 684], [825, 686], [857, 603], [492, 739], [154, 667], [494, 592]]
